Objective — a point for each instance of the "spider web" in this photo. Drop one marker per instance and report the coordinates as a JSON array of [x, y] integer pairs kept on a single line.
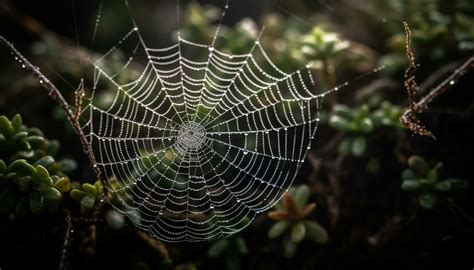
[[200, 140]]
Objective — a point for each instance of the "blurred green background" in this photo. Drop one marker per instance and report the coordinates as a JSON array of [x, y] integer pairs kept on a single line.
[[370, 195]]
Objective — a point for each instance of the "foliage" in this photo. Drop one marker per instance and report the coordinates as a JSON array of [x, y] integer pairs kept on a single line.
[[292, 216], [31, 180], [425, 182], [89, 195], [359, 123]]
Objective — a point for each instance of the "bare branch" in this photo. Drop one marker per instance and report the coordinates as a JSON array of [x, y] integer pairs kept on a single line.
[[63, 263]]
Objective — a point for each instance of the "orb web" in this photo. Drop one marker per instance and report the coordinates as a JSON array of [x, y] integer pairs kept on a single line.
[[199, 141]]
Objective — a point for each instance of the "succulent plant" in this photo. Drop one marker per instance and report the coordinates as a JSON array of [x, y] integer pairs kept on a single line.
[[388, 115], [322, 45], [425, 182], [293, 223], [31, 180], [356, 123], [359, 123], [89, 195]]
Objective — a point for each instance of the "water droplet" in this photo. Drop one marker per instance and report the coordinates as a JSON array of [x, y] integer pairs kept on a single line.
[[452, 82], [245, 152], [161, 212], [211, 49]]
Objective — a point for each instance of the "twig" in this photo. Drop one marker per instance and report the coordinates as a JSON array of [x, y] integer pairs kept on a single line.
[[63, 263], [409, 118], [55, 94]]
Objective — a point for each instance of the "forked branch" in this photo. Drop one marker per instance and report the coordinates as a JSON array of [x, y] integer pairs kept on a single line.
[[410, 119], [55, 94]]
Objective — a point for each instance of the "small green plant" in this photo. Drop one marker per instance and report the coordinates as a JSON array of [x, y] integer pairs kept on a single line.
[[293, 223], [31, 180], [89, 195], [322, 45], [425, 182], [388, 115], [359, 123]]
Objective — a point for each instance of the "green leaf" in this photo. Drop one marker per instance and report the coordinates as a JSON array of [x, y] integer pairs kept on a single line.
[[362, 112], [316, 232], [290, 249], [35, 141], [77, 194], [301, 195], [115, 219], [432, 176], [19, 136], [418, 165], [45, 161], [457, 184], [52, 194], [16, 123], [443, 186], [427, 200], [339, 123], [53, 147], [277, 229], [6, 128], [3, 166], [89, 188], [366, 125], [63, 185], [41, 176], [298, 232], [410, 185], [68, 165], [37, 203], [99, 187], [21, 168], [218, 248], [35, 132], [88, 202], [23, 145], [408, 175], [358, 146], [343, 111]]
